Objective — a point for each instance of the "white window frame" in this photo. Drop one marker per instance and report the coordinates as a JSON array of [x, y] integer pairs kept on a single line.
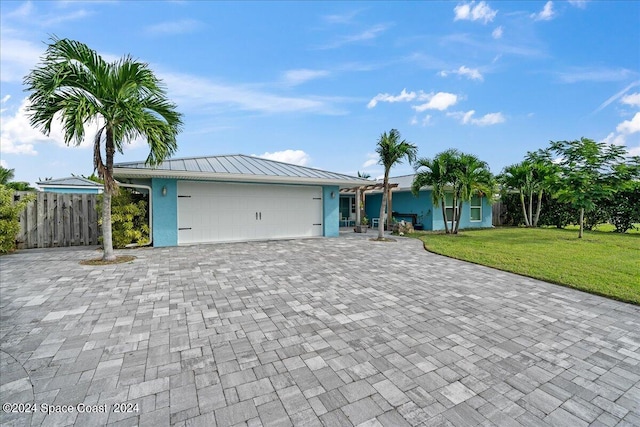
[[472, 207]]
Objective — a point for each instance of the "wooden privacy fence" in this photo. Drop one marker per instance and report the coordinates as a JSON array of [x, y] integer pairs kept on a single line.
[[56, 219], [499, 210]]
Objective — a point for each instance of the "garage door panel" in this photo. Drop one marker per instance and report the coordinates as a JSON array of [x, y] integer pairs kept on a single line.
[[219, 212]]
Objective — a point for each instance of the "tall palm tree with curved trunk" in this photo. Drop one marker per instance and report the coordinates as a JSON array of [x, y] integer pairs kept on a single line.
[[74, 85], [392, 151]]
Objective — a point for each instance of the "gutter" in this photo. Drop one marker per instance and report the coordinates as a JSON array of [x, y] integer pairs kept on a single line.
[[135, 245]]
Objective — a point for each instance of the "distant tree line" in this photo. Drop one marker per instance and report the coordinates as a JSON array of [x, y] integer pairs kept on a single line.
[[573, 182]]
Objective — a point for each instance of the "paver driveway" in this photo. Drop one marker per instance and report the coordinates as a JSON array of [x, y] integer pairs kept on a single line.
[[311, 332]]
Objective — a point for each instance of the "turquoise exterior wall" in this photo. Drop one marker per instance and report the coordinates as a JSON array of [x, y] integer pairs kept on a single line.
[[71, 190], [405, 202], [165, 212], [331, 211]]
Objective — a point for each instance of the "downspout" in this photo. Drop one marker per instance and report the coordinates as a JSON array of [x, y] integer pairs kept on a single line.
[[135, 245]]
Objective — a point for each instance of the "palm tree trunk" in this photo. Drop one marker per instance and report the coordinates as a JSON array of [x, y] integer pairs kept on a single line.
[[531, 208], [454, 214], [458, 216], [580, 234], [524, 210], [444, 215], [538, 208], [109, 189], [383, 205]]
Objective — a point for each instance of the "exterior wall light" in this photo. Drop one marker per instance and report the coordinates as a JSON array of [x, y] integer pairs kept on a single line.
[[164, 190], [333, 194]]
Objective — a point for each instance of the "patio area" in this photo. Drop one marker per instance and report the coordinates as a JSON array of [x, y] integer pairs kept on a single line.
[[335, 332]]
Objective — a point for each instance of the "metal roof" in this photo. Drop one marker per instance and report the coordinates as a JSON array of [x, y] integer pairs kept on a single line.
[[71, 181], [234, 167]]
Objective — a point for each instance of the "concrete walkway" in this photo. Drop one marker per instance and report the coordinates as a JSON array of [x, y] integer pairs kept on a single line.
[[334, 332]]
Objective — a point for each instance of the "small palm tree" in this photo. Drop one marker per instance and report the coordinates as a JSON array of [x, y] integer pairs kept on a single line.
[[126, 100], [473, 177], [434, 173], [391, 151]]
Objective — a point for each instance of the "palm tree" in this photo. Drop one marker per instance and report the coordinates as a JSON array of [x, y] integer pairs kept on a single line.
[[6, 175], [124, 98], [435, 173], [472, 177], [391, 151], [532, 176]]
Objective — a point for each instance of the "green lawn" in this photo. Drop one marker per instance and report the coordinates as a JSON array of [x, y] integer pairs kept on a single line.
[[606, 264]]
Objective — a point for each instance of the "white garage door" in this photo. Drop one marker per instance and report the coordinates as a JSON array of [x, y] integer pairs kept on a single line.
[[225, 212]]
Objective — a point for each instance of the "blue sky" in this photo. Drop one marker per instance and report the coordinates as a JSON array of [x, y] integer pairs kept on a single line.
[[316, 83]]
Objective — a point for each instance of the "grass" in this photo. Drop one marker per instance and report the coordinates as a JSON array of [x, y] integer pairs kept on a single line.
[[606, 264]]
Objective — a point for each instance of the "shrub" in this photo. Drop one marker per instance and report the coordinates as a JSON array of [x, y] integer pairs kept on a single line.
[[9, 218], [129, 219]]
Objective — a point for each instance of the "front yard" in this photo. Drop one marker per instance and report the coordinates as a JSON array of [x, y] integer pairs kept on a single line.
[[606, 264]]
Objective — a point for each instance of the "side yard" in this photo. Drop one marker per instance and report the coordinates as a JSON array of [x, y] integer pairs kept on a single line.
[[606, 264]]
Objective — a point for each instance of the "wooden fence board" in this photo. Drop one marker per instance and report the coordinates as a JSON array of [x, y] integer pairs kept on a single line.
[[57, 219]]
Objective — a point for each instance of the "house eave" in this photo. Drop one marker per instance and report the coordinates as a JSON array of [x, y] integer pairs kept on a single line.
[[124, 173]]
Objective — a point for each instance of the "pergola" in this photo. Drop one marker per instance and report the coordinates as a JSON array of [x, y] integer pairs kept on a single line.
[[360, 197]]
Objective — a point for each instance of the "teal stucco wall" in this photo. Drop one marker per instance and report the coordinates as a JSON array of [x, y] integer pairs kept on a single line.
[[331, 211], [406, 202], [165, 212]]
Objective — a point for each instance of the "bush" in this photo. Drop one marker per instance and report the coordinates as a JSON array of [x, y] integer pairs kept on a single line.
[[129, 219], [9, 218], [623, 209]]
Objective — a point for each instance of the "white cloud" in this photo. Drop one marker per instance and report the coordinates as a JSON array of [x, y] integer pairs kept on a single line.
[[5, 99], [345, 18], [368, 34], [372, 159], [617, 96], [614, 138], [426, 121], [4, 164], [632, 99], [201, 94], [174, 27], [634, 151], [486, 120], [439, 101], [588, 74], [474, 12], [578, 3], [630, 126], [497, 33], [546, 14], [471, 73], [18, 58], [18, 137], [295, 157], [303, 75], [385, 97]]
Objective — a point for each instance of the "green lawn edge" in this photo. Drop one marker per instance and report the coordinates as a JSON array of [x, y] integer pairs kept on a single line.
[[627, 291]]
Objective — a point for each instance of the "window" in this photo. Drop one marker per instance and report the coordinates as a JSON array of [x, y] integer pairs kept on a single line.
[[448, 205], [476, 208]]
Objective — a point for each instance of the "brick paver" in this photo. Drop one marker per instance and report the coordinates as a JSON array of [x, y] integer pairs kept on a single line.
[[311, 332]]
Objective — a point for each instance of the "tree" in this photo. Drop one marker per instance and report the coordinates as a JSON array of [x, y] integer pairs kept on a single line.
[[391, 151], [472, 177], [453, 172], [436, 173], [532, 176], [589, 171], [124, 98], [6, 179]]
